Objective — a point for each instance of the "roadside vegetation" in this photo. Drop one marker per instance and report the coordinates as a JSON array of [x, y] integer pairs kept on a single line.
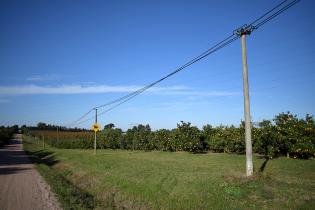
[[125, 179], [285, 135], [183, 168], [6, 134]]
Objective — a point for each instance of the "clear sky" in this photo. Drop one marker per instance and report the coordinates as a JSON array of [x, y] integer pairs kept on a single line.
[[60, 58]]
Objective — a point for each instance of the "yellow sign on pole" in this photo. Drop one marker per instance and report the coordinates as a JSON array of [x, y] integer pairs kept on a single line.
[[96, 127]]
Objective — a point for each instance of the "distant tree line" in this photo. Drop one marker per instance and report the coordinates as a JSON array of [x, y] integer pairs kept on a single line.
[[285, 135], [41, 126], [6, 132]]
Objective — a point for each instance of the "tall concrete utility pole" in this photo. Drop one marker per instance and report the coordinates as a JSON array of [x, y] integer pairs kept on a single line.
[[242, 32]]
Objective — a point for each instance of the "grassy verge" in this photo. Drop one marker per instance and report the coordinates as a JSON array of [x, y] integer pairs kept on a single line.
[[164, 180], [69, 195]]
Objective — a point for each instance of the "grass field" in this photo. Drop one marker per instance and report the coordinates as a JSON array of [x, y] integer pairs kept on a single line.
[[164, 180]]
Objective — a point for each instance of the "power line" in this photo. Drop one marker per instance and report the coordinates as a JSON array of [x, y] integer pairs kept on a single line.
[[264, 15], [277, 13], [128, 97], [80, 118], [205, 55], [202, 55], [263, 19], [249, 28]]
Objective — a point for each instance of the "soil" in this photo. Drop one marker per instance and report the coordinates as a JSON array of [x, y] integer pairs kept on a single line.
[[21, 186]]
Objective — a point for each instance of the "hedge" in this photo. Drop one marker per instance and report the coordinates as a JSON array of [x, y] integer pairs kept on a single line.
[[285, 135]]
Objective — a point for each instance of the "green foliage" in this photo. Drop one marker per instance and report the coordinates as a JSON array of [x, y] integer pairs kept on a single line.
[[69, 195], [296, 136], [139, 138], [122, 179], [304, 144], [267, 140], [109, 126], [224, 139], [287, 128], [25, 130], [286, 135], [111, 138], [6, 133], [187, 138], [162, 140]]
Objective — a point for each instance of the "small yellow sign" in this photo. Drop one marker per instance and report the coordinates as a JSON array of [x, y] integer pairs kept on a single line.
[[96, 127]]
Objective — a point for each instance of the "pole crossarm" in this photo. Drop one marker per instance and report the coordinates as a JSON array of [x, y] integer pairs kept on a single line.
[[244, 30]]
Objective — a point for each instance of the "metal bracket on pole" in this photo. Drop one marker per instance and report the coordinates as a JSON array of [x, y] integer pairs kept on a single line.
[[244, 30]]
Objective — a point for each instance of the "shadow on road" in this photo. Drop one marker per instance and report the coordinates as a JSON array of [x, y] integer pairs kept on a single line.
[[14, 160], [11, 170]]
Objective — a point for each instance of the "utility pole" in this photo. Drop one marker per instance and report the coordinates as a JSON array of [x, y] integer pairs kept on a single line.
[[95, 132], [242, 32]]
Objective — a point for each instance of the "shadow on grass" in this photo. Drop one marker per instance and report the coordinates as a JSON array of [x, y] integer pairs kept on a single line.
[[43, 157], [263, 165]]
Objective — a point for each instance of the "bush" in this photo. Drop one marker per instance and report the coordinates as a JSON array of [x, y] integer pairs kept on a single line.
[[187, 138], [224, 139], [304, 146], [163, 140], [111, 138], [138, 138], [266, 143], [303, 149], [285, 135], [6, 134]]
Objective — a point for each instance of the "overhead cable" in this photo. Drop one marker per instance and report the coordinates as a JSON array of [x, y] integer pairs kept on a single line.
[[247, 28]]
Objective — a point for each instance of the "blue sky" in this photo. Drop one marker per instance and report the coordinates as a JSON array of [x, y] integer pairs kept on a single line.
[[58, 59]]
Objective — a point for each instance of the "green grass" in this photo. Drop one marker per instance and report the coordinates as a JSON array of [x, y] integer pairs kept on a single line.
[[163, 180]]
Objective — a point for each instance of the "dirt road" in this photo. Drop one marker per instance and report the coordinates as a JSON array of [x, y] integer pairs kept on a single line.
[[21, 187]]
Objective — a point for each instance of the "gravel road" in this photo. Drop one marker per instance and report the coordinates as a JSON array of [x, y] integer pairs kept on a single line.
[[21, 187]]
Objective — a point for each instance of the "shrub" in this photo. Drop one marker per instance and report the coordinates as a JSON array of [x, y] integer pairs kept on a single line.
[[266, 142], [162, 140], [139, 138], [6, 134], [224, 139], [286, 134], [111, 138], [187, 138]]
